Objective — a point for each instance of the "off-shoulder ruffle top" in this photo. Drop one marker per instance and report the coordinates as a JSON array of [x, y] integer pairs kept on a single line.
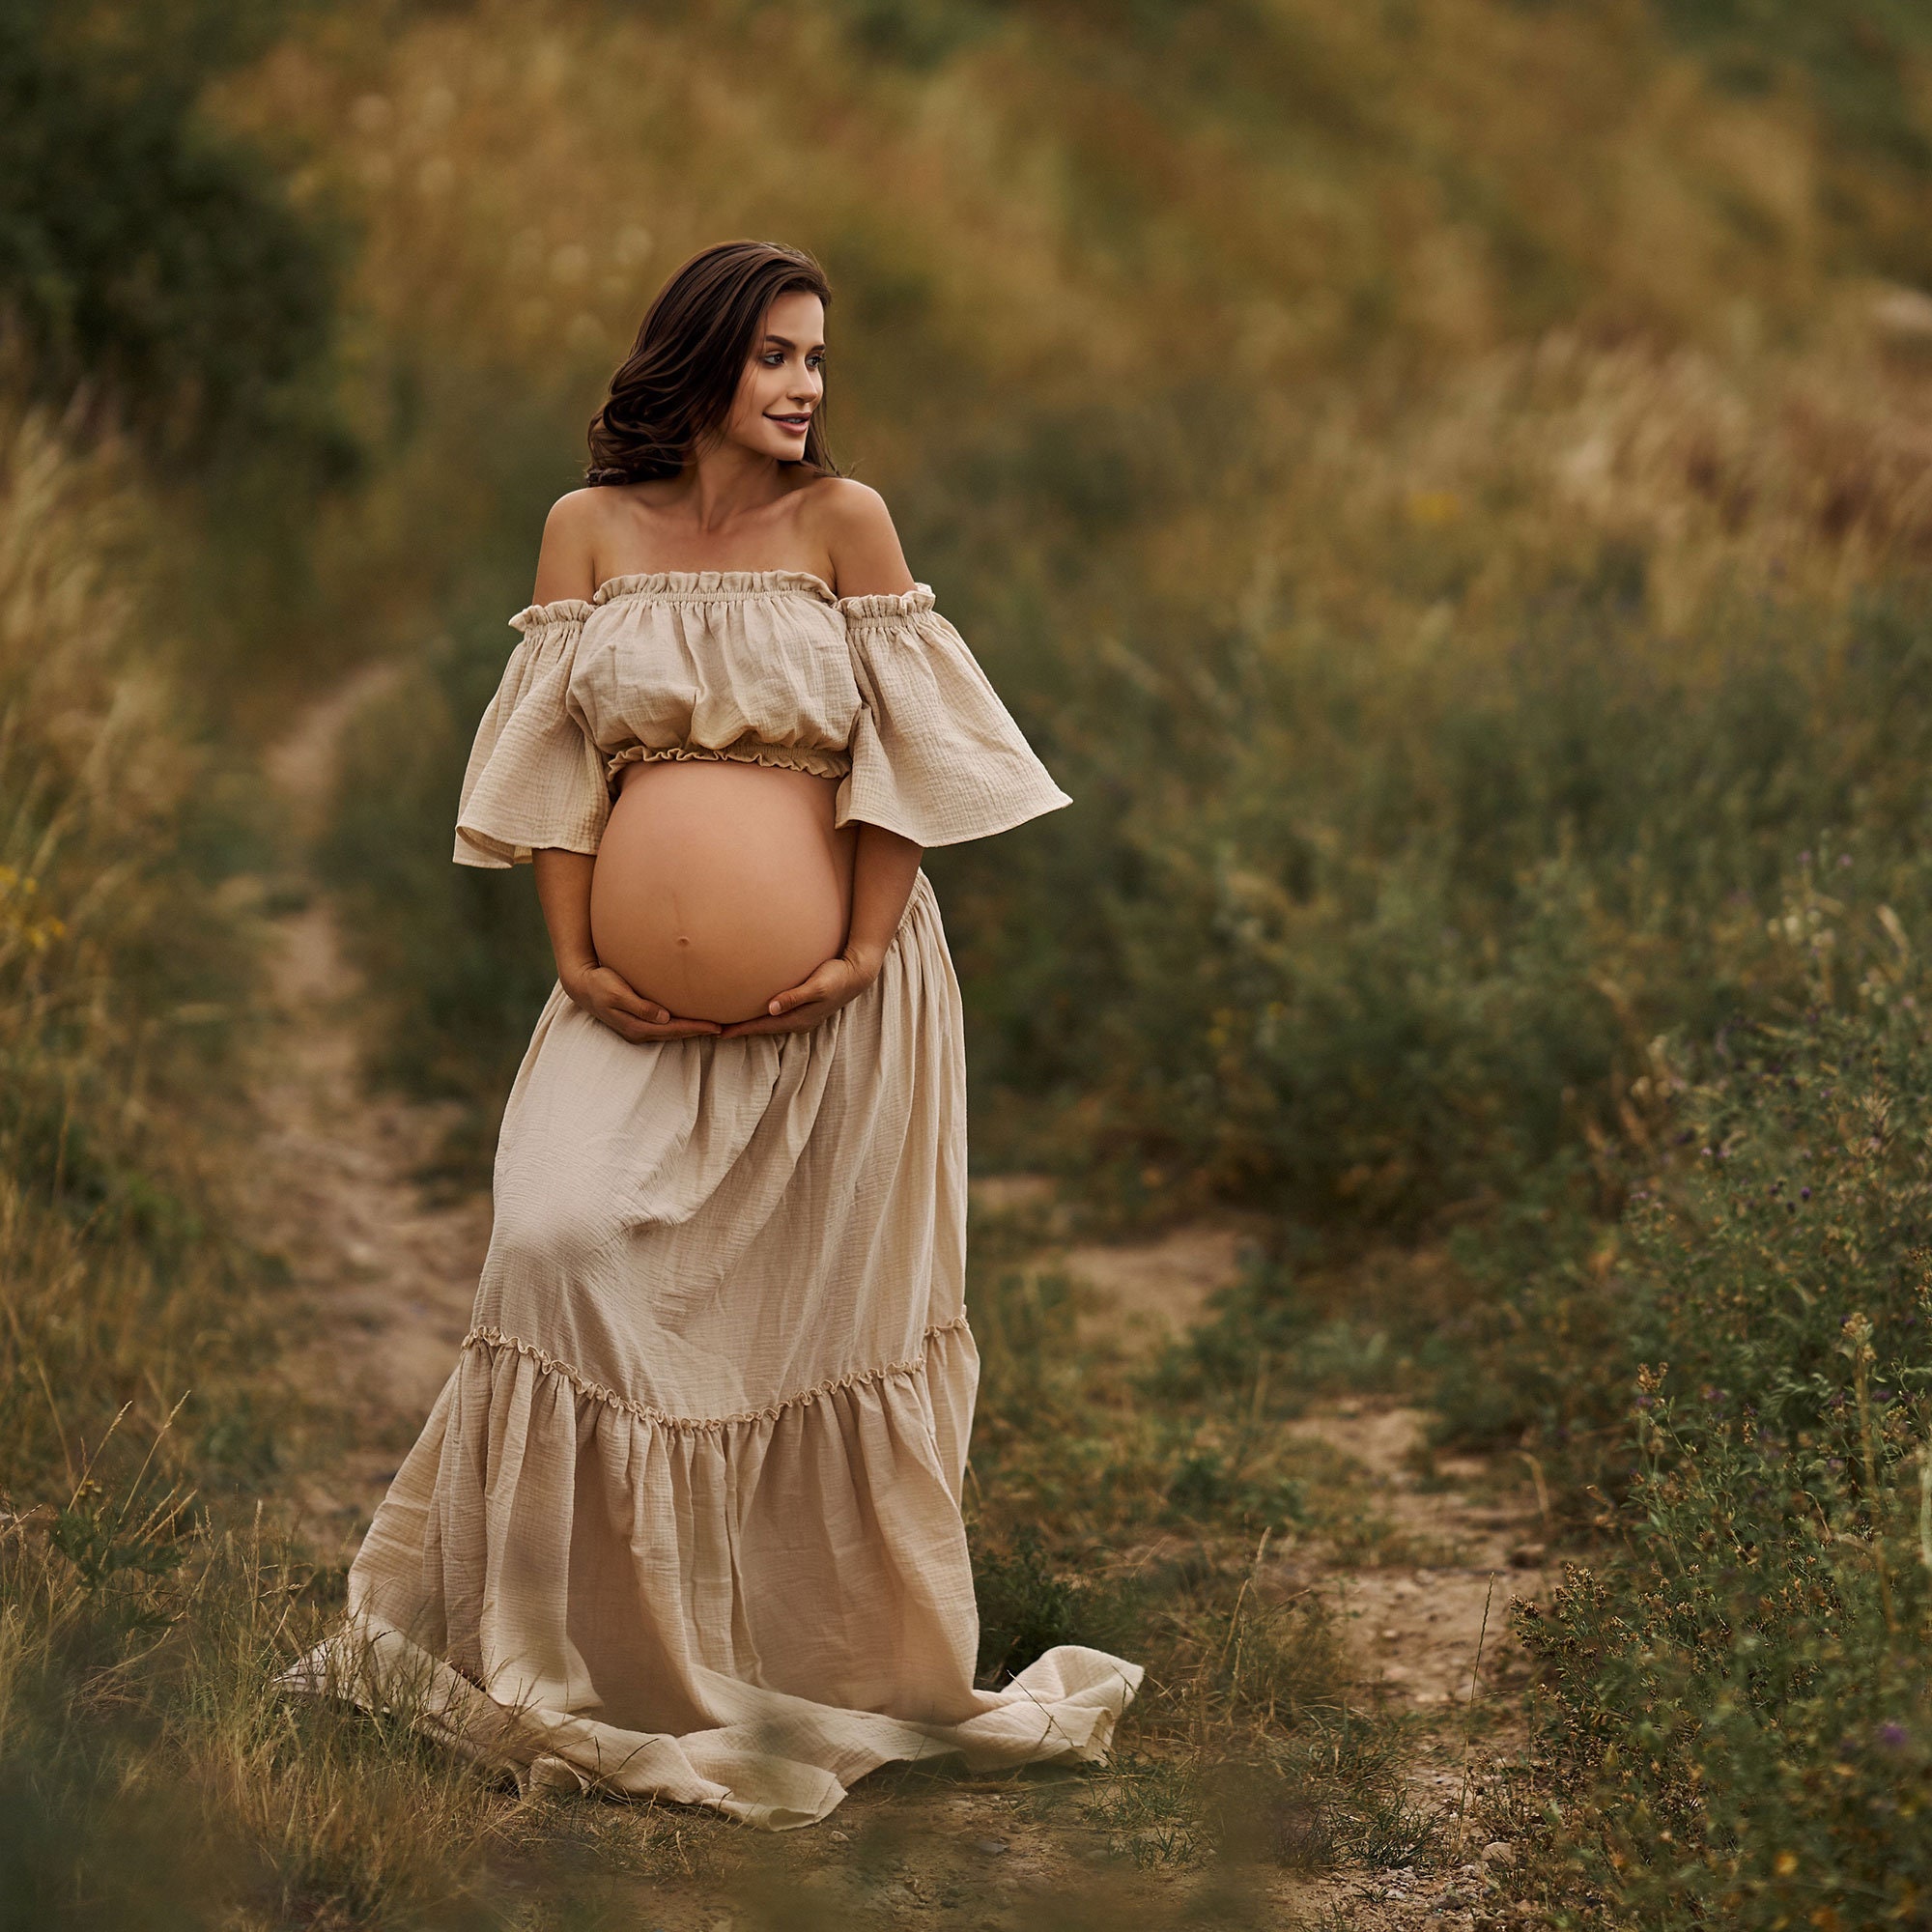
[[760, 666]]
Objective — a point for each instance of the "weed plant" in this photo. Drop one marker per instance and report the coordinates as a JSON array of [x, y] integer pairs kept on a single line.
[[1452, 646], [1736, 1699], [1105, 1512], [1447, 658]]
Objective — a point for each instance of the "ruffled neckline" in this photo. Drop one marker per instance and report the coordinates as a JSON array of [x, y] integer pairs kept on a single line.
[[707, 586], [712, 584]]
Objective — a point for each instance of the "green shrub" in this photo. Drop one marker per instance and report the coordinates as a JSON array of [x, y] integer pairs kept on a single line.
[[1738, 1703], [142, 252]]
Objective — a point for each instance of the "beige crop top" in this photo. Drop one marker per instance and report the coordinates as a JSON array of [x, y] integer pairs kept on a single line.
[[760, 666]]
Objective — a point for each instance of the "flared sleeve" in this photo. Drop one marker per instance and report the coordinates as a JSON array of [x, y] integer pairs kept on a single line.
[[935, 755], [534, 778]]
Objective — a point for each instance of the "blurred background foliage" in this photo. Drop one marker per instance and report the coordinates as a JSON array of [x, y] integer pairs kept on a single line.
[[1447, 486], [1438, 482], [145, 254]]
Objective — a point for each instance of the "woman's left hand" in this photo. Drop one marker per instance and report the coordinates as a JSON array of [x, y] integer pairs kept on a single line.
[[835, 985]]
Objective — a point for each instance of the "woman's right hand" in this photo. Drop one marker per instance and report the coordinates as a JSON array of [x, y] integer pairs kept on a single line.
[[608, 997]]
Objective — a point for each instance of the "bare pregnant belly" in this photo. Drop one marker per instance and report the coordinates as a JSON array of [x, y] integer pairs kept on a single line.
[[718, 885]]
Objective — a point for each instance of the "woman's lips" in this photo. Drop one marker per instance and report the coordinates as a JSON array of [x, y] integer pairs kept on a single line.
[[797, 425]]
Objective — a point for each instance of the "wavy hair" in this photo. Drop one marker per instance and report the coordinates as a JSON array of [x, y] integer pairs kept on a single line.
[[679, 380]]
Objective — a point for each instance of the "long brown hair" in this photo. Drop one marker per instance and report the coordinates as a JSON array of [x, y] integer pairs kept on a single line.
[[682, 374]]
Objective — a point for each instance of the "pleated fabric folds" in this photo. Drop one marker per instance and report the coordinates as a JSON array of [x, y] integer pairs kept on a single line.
[[685, 1520], [757, 667]]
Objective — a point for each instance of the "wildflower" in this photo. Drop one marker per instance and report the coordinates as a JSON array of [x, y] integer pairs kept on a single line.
[[1891, 1734], [1785, 1863], [1804, 1194]]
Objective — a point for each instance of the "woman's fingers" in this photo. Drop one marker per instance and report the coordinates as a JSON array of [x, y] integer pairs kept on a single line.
[[793, 996], [641, 1032], [801, 1019], [626, 1000], [621, 999], [825, 983]]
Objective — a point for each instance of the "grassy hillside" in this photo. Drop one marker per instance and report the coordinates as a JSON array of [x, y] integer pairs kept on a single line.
[[1444, 484], [1433, 487]]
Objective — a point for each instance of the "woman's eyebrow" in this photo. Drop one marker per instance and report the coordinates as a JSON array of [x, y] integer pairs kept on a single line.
[[785, 342]]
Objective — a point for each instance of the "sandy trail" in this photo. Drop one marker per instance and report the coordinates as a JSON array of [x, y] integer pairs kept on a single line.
[[388, 1275]]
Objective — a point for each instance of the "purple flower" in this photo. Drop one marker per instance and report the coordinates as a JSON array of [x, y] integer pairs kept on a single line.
[[1804, 1194], [1844, 859], [1892, 1735]]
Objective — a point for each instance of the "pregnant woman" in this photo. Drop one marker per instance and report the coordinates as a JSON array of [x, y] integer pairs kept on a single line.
[[685, 1520]]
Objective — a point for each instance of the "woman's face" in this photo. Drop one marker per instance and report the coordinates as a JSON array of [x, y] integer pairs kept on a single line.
[[783, 381]]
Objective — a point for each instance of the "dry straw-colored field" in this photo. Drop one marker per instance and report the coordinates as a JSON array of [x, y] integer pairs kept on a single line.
[[1448, 487]]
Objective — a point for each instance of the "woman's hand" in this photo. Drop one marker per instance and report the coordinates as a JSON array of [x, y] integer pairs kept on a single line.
[[608, 997], [835, 985]]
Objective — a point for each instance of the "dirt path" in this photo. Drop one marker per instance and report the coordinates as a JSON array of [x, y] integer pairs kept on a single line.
[[1431, 1639], [388, 1278]]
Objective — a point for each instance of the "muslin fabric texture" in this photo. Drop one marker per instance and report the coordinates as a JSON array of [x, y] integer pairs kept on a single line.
[[685, 1520]]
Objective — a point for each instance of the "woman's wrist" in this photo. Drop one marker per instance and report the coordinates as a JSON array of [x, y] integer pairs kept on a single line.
[[868, 961], [570, 973]]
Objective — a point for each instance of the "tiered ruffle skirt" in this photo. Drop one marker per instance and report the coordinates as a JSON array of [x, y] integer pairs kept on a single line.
[[685, 1521]]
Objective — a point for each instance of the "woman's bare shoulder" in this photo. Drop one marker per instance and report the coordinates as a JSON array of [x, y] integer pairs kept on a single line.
[[856, 527], [567, 562]]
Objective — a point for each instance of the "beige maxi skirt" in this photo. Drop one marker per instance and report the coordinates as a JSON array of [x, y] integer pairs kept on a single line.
[[685, 1520]]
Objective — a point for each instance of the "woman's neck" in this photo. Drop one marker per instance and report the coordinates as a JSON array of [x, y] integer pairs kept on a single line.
[[722, 483]]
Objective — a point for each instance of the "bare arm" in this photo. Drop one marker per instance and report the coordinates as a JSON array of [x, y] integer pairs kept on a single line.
[[852, 521], [882, 881], [567, 563]]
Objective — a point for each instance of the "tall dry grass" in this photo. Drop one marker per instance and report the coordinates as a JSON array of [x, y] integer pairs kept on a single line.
[[1445, 485], [1320, 425], [151, 1773]]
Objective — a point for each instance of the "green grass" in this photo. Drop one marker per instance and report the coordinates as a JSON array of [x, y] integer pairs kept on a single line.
[[1488, 658], [1736, 1701]]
